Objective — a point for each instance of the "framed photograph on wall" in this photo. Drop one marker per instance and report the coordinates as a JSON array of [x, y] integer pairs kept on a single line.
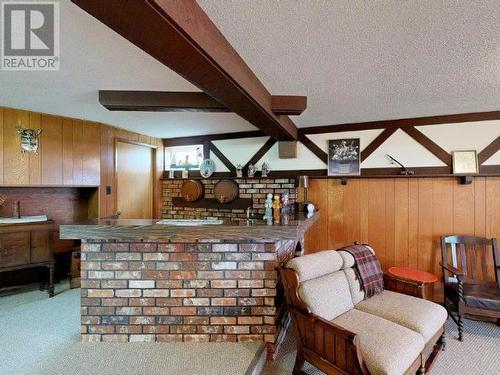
[[343, 157], [465, 162]]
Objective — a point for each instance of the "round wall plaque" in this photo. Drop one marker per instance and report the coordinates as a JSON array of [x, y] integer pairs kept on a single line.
[[207, 168]]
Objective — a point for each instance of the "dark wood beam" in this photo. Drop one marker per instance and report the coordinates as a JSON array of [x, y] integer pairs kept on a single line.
[[288, 105], [429, 144], [222, 157], [402, 123], [313, 148], [159, 101], [186, 101], [382, 137], [181, 36], [200, 139], [489, 151], [260, 153]]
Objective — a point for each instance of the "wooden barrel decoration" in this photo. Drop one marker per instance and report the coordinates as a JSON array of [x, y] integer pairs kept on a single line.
[[226, 191], [192, 190]]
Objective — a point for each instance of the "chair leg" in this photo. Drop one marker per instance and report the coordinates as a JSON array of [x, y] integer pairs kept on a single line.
[[461, 328], [498, 322], [421, 370], [299, 362], [442, 339]]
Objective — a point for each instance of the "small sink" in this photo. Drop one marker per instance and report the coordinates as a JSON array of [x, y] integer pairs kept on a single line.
[[190, 222], [23, 219]]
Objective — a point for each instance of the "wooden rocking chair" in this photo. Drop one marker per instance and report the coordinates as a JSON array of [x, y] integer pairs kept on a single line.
[[468, 283]]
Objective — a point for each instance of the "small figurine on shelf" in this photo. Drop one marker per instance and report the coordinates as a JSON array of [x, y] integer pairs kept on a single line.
[[265, 169], [276, 208], [268, 207], [285, 206], [239, 171], [251, 170]]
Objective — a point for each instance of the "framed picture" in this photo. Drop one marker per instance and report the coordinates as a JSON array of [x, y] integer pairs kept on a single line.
[[343, 157], [465, 162]]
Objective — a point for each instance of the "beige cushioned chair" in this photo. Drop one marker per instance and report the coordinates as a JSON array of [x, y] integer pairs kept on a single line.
[[340, 332]]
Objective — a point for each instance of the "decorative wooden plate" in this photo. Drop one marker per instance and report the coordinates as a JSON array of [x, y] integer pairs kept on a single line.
[[226, 191], [192, 190]]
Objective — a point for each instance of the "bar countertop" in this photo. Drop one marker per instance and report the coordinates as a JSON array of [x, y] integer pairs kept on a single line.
[[138, 230]]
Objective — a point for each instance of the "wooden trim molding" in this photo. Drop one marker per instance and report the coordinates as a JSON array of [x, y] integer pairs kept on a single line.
[[402, 123], [429, 144], [181, 36], [322, 155], [489, 151], [381, 138], [260, 153], [222, 157], [200, 139]]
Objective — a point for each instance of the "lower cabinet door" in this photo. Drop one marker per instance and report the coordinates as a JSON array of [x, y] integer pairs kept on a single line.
[[14, 249], [40, 251]]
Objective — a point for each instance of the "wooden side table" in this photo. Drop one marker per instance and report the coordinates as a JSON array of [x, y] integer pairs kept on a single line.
[[411, 281]]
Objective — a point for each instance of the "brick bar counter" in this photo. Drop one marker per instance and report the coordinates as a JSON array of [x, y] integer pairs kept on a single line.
[[143, 281]]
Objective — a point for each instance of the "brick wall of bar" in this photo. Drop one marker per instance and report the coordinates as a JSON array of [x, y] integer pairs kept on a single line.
[[256, 189], [204, 292]]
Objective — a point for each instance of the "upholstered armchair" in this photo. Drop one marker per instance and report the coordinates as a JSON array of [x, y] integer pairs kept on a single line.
[[339, 331]]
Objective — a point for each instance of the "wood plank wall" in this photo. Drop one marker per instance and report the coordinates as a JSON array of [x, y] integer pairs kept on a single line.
[[403, 218], [72, 152]]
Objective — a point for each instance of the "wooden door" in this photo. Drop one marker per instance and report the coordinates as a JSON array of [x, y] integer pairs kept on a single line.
[[134, 180]]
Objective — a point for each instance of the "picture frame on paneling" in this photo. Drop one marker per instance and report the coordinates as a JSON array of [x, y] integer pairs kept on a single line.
[[465, 162], [344, 157]]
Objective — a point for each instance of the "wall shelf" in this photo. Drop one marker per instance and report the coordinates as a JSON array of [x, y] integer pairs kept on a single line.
[[238, 203]]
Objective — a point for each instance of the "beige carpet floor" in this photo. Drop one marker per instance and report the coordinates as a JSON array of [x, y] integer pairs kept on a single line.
[[39, 335], [479, 354]]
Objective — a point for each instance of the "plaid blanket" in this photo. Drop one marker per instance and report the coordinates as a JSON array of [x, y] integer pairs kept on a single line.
[[368, 269]]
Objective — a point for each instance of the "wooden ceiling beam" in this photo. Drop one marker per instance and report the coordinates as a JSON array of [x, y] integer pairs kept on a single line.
[[159, 101], [180, 35], [288, 105], [184, 101]]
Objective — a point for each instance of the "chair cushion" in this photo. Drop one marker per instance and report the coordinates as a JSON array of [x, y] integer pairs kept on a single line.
[[327, 296], [477, 295], [357, 293], [315, 265], [417, 314], [387, 348]]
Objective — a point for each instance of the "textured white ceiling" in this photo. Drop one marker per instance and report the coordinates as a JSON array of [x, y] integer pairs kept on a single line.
[[355, 60], [359, 60], [94, 57]]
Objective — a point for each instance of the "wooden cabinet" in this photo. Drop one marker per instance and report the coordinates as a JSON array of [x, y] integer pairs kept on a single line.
[[27, 246]]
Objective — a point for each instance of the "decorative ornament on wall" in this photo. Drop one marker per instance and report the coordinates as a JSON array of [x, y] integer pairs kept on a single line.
[[207, 168], [29, 139]]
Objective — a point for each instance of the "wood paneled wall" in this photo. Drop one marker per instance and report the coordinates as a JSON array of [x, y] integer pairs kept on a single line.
[[403, 218], [72, 153]]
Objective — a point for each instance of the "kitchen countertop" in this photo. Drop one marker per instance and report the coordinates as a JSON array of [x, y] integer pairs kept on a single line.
[[229, 231]]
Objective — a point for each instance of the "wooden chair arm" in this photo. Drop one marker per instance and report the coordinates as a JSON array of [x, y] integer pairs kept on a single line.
[[455, 271], [311, 326]]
